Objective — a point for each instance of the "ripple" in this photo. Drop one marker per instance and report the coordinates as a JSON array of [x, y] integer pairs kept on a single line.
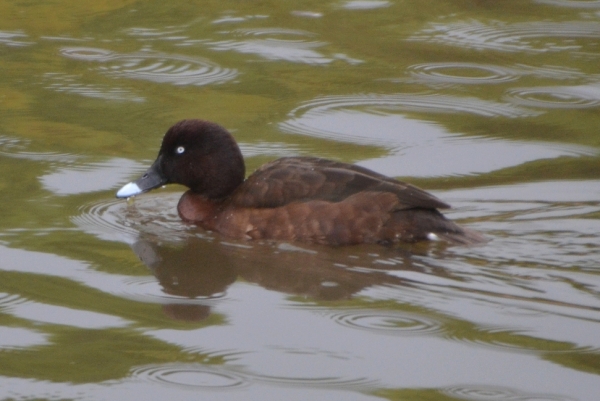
[[172, 33], [572, 3], [312, 382], [10, 300], [272, 32], [365, 4], [552, 72], [523, 344], [268, 149], [154, 67], [89, 177], [379, 120], [149, 289], [387, 322], [15, 148], [64, 83], [529, 36], [432, 103], [493, 393], [125, 221], [145, 287], [295, 51], [306, 14], [462, 73], [556, 97], [87, 53], [12, 39], [190, 375]]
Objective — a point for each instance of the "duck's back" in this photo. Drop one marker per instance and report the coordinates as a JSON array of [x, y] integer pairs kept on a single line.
[[297, 179]]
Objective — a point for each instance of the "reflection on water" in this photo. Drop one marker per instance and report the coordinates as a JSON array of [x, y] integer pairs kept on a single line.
[[279, 44], [13, 39], [426, 294], [365, 4], [14, 337], [408, 142], [90, 176], [572, 3], [43, 313], [293, 51]]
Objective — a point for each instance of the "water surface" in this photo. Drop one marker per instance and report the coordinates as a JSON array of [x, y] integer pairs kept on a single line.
[[492, 106]]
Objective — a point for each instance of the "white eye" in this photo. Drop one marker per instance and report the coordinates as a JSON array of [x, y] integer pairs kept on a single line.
[[180, 150]]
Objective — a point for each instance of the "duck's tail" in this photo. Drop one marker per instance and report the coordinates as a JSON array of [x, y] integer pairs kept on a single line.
[[421, 224]]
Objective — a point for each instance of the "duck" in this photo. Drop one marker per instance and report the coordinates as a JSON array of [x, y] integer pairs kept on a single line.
[[305, 199]]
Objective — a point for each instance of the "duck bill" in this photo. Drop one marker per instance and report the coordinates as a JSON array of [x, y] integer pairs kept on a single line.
[[152, 178]]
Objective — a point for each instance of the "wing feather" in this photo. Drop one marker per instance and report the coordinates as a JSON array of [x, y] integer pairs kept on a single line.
[[295, 179]]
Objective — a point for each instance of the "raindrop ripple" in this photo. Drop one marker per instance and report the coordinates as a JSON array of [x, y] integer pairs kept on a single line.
[[154, 66], [473, 73], [557, 97], [387, 322], [191, 376]]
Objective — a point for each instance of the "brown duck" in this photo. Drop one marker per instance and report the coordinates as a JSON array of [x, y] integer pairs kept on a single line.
[[293, 198]]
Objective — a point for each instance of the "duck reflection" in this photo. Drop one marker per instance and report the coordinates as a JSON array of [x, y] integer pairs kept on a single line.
[[201, 268]]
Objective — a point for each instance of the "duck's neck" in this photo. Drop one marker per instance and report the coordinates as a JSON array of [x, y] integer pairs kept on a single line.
[[199, 209]]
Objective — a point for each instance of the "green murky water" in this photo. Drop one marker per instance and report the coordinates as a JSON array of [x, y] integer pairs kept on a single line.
[[492, 105]]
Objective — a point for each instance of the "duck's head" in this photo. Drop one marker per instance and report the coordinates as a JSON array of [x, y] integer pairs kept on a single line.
[[199, 154]]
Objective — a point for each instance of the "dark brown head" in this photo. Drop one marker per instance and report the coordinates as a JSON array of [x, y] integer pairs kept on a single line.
[[198, 154]]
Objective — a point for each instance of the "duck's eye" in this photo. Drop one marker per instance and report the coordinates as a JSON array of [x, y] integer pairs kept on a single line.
[[180, 150]]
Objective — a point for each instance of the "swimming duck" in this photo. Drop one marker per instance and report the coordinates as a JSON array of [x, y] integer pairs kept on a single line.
[[305, 199]]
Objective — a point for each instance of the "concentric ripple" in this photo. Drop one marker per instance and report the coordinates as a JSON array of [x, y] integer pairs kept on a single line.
[[556, 97], [419, 102], [15, 148], [489, 393], [387, 322], [190, 375], [527, 36], [87, 53], [462, 73], [312, 382], [154, 67], [120, 220], [64, 83]]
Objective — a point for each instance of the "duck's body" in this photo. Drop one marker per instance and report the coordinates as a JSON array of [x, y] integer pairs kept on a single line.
[[294, 198]]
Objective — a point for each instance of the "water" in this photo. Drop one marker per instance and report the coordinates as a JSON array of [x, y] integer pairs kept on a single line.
[[493, 106]]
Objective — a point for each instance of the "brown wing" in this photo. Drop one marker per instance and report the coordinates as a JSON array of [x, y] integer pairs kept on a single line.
[[292, 179]]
